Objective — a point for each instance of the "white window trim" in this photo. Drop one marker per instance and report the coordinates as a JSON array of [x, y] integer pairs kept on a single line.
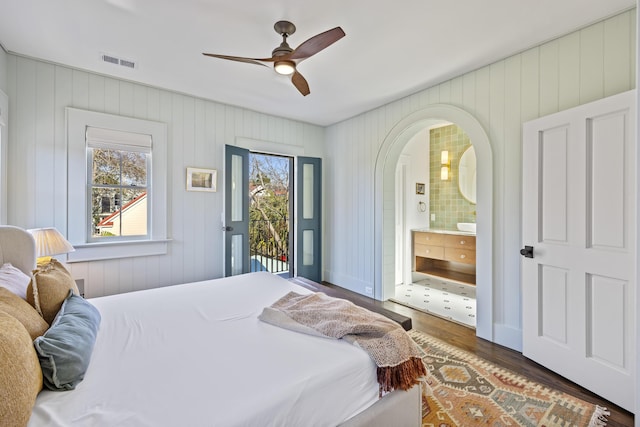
[[77, 204]]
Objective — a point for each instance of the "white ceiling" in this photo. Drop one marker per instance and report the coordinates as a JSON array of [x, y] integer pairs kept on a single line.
[[392, 48]]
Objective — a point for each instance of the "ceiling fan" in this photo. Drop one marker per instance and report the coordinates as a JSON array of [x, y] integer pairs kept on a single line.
[[285, 59]]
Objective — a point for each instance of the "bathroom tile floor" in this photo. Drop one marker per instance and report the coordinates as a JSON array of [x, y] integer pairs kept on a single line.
[[451, 300]]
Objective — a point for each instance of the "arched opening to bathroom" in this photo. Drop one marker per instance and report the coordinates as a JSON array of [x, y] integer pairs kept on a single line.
[[385, 203], [435, 219]]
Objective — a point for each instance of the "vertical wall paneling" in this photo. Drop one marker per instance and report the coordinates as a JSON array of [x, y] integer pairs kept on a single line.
[[617, 61], [568, 71], [592, 63], [557, 75], [469, 91], [4, 68], [549, 77], [190, 204], [97, 92], [197, 129], [25, 136], [44, 143], [63, 88], [111, 96], [4, 141], [456, 91], [495, 112], [506, 130]]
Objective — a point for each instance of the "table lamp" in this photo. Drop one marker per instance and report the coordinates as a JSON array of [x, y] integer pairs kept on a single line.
[[49, 242]]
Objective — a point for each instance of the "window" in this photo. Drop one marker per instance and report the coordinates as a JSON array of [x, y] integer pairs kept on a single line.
[[117, 184], [117, 165]]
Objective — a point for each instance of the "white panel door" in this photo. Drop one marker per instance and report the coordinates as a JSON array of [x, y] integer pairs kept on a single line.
[[579, 204]]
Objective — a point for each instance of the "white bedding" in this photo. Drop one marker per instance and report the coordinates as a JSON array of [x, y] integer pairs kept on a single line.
[[196, 355]]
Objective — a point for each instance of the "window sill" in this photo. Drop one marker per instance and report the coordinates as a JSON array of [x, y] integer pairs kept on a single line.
[[114, 250]]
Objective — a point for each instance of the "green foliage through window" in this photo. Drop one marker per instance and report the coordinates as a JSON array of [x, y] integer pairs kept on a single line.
[[118, 193]]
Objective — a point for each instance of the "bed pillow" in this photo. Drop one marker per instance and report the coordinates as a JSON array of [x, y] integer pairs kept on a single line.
[[20, 374], [12, 304], [65, 349], [50, 286], [14, 279]]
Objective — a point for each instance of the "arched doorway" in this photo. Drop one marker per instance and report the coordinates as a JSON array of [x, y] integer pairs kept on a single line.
[[384, 199]]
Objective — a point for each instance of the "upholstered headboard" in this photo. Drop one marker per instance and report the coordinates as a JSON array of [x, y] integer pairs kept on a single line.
[[18, 247]]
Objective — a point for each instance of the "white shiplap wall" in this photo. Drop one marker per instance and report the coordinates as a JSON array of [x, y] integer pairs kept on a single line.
[[3, 70], [583, 66], [197, 132]]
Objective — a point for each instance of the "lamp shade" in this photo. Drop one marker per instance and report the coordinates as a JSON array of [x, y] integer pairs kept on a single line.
[[444, 157], [49, 242]]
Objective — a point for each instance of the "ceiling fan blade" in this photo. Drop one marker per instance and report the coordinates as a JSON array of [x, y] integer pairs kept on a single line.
[[316, 43], [300, 83], [241, 59]]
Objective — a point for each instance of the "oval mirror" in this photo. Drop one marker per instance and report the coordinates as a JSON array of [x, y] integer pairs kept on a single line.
[[467, 174]]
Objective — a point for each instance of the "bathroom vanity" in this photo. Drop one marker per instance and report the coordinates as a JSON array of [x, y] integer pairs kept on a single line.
[[447, 254]]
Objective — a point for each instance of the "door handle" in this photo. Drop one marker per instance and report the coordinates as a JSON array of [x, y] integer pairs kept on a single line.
[[527, 252], [227, 228]]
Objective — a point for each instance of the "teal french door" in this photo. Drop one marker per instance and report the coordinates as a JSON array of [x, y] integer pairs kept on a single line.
[[236, 211], [308, 218]]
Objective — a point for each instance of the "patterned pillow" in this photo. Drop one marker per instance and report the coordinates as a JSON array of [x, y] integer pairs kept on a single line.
[[12, 304], [49, 287], [20, 374], [65, 349], [14, 279]]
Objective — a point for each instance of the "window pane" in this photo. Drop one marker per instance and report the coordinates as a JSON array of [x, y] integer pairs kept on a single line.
[[236, 188], [236, 254], [104, 202], [134, 168], [106, 166], [133, 216], [307, 191], [119, 212], [307, 247]]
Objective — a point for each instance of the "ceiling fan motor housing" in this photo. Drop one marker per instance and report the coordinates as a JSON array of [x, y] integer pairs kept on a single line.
[[284, 28]]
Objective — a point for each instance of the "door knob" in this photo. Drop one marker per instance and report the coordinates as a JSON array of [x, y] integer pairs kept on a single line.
[[227, 228], [527, 252]]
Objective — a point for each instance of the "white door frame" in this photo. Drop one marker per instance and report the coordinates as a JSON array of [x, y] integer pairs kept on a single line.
[[384, 199], [401, 221]]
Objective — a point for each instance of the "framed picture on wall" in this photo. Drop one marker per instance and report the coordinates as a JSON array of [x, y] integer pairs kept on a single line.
[[419, 188], [201, 179]]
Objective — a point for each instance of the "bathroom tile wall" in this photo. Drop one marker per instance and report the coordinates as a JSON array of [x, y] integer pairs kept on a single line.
[[446, 202]]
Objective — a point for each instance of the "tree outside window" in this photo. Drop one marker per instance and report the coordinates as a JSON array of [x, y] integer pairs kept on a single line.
[[119, 193]]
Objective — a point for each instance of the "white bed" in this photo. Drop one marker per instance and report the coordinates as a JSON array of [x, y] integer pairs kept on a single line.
[[196, 355]]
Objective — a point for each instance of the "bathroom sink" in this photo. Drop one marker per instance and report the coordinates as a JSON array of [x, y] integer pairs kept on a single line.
[[469, 227]]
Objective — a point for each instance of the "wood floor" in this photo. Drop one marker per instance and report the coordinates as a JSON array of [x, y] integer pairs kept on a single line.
[[465, 338]]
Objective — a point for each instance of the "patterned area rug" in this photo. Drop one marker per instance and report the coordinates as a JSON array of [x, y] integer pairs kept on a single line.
[[468, 391]]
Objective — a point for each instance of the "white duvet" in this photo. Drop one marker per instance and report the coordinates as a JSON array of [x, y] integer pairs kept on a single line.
[[196, 355]]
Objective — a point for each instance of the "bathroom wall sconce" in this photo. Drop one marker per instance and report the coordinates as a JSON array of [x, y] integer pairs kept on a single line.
[[445, 165]]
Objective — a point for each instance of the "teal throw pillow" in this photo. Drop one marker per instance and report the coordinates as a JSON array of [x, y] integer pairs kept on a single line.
[[65, 349]]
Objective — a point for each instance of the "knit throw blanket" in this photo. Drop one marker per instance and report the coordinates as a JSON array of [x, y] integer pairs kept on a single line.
[[397, 357]]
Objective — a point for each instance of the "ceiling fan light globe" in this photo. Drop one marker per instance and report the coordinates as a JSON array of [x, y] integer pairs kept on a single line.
[[284, 67]]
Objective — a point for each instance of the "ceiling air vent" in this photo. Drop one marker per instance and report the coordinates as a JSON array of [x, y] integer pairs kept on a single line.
[[118, 61], [111, 59], [127, 63]]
